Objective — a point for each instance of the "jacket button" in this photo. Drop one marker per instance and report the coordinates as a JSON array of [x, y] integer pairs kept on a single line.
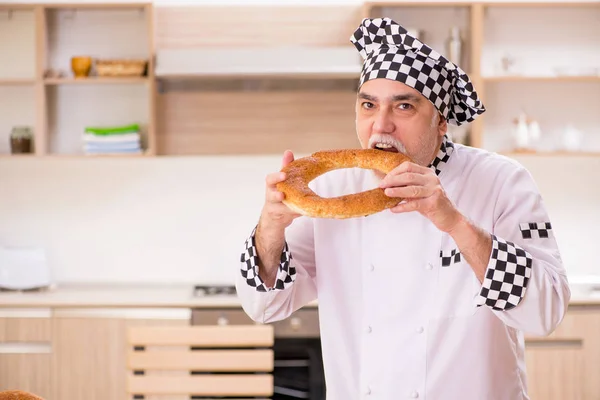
[[413, 395], [428, 266], [419, 329], [368, 390], [369, 329], [371, 267]]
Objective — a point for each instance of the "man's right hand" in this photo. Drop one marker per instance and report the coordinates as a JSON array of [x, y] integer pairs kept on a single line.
[[274, 218], [275, 215]]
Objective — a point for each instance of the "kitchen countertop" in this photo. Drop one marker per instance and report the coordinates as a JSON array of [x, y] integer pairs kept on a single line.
[[155, 296], [117, 295]]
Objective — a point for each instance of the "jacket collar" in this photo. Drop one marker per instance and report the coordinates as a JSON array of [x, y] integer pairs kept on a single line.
[[443, 155]]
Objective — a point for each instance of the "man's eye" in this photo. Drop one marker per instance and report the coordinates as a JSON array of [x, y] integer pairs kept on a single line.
[[405, 106], [367, 105]]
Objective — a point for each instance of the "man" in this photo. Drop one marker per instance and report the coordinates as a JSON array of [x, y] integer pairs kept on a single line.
[[429, 299]]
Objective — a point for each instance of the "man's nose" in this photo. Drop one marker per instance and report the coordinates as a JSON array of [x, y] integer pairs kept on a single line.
[[383, 122]]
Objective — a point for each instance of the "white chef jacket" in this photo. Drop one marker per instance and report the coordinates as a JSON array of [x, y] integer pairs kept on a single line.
[[402, 314]]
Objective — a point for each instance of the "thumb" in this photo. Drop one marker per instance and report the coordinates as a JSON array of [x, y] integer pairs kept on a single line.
[[288, 157]]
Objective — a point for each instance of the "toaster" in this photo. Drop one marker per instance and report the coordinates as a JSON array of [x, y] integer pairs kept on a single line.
[[23, 269]]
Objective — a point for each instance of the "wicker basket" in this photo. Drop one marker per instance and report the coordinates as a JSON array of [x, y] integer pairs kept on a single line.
[[121, 67]]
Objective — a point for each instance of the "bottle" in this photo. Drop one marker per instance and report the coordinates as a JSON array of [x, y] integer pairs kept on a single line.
[[21, 140], [454, 46], [522, 133]]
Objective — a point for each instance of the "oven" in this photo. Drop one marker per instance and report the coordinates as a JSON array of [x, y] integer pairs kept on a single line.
[[298, 365]]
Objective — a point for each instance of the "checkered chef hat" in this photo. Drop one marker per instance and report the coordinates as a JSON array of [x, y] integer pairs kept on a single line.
[[389, 51]]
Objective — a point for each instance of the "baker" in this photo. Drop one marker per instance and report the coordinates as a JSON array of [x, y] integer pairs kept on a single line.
[[430, 298]]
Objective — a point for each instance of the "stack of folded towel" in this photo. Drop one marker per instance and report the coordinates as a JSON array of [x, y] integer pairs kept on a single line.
[[112, 140]]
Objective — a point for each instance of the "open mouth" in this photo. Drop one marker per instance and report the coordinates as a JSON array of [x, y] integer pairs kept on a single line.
[[385, 147]]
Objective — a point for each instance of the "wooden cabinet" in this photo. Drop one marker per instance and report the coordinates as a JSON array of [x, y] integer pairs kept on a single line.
[[81, 353], [558, 366], [39, 86], [25, 350], [554, 369], [89, 360]]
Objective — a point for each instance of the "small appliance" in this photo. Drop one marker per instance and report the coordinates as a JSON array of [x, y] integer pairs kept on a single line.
[[24, 269]]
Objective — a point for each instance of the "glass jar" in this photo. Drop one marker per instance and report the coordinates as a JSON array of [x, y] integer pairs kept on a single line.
[[21, 140]]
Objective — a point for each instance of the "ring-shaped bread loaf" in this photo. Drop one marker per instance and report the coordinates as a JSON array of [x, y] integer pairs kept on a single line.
[[301, 199], [18, 395]]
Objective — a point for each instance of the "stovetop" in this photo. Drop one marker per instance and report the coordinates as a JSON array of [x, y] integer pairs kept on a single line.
[[214, 290]]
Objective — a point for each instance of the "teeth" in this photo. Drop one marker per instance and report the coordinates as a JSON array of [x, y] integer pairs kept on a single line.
[[383, 146]]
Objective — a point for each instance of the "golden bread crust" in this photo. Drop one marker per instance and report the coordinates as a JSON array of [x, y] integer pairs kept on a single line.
[[301, 199], [18, 395]]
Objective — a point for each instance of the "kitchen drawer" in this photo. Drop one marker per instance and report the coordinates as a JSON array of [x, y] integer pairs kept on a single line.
[[303, 323], [223, 316], [25, 325]]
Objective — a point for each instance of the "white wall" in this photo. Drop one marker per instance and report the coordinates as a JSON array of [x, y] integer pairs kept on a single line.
[[185, 219], [165, 219]]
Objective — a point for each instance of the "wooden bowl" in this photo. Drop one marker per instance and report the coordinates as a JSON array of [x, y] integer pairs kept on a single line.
[[81, 66]]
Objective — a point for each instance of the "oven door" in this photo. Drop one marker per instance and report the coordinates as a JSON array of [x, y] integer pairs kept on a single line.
[[298, 372]]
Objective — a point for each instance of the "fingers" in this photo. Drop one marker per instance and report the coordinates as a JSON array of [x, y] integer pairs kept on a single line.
[[404, 179], [288, 157], [406, 206], [409, 167], [275, 178], [409, 191], [274, 196], [283, 211]]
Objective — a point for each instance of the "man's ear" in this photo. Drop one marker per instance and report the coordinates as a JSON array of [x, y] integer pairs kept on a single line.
[[442, 125]]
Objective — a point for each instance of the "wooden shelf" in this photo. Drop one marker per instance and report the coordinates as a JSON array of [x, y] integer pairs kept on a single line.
[[558, 78], [95, 81], [557, 153], [16, 81], [416, 3], [5, 155], [97, 5], [74, 156], [541, 4], [64, 30], [82, 155]]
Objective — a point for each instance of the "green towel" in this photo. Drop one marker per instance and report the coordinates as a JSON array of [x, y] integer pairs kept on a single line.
[[116, 130]]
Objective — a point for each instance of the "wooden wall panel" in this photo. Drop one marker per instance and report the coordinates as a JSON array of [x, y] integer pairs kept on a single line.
[[195, 122], [186, 26]]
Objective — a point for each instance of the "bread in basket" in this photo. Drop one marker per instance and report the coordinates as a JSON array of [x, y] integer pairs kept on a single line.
[[118, 67]]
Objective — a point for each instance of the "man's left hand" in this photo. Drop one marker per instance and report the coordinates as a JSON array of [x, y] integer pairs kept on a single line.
[[421, 190]]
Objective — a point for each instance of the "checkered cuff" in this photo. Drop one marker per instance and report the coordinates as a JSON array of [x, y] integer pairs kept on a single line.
[[507, 276], [286, 274]]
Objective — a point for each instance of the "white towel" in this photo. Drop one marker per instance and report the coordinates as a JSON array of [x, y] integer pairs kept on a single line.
[[126, 137]]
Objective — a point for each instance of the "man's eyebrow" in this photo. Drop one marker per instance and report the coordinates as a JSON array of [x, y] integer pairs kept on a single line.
[[366, 96], [406, 96], [398, 97]]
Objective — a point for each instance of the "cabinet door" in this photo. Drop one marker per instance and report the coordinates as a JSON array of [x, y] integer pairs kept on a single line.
[[560, 364], [555, 369], [90, 349], [25, 351]]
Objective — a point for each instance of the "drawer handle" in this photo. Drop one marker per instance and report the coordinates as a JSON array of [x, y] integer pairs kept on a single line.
[[222, 321], [296, 323]]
